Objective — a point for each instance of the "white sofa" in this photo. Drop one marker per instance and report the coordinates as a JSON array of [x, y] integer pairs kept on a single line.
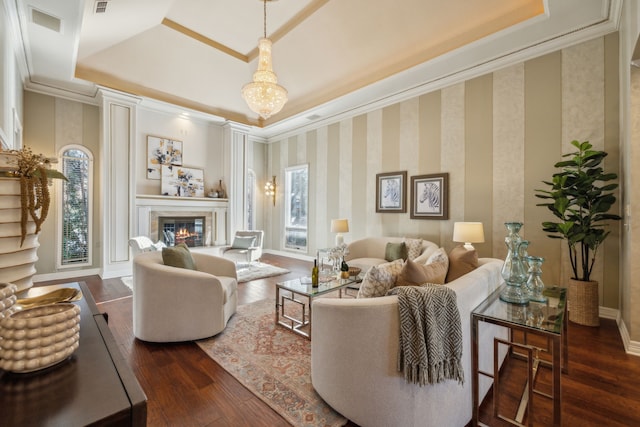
[[369, 251], [354, 354], [176, 304]]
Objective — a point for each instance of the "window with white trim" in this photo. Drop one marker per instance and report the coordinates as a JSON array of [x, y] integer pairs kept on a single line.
[[251, 200], [74, 207], [296, 190]]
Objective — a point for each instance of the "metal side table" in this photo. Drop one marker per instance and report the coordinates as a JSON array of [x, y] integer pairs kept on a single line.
[[544, 319]]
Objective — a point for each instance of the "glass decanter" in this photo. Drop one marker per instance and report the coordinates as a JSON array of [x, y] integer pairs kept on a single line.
[[535, 286], [514, 271]]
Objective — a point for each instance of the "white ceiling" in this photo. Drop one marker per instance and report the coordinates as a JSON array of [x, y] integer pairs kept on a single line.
[[331, 55]]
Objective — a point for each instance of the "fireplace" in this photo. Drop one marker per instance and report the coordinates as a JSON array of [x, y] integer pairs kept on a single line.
[[173, 230]]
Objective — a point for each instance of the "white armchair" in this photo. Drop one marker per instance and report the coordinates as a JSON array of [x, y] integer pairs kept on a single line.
[[246, 246], [177, 304], [140, 244]]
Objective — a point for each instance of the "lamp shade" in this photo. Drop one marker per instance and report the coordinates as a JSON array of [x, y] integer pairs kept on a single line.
[[468, 232], [339, 226]]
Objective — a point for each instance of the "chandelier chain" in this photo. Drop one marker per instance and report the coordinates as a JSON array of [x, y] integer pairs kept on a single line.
[[265, 19]]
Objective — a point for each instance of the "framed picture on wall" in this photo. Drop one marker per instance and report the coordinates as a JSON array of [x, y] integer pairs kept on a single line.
[[162, 151], [430, 196], [391, 192], [179, 181]]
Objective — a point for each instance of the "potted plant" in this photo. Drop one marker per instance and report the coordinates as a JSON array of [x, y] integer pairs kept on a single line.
[[25, 198], [580, 196]]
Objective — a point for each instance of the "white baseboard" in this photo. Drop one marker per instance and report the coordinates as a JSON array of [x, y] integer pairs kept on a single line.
[[62, 275], [289, 254]]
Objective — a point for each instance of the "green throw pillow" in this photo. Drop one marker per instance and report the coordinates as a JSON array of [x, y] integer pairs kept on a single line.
[[394, 251], [178, 256]]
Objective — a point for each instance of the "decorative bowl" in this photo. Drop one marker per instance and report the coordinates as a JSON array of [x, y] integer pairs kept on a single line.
[[354, 271], [39, 337]]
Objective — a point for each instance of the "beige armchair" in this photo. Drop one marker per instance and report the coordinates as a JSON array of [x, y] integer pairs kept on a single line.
[[243, 248], [177, 304]]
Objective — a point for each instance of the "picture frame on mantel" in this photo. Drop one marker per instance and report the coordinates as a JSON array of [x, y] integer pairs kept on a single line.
[[162, 152], [180, 181], [391, 192], [430, 196]]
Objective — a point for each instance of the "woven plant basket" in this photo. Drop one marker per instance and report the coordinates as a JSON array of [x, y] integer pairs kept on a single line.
[[584, 302]]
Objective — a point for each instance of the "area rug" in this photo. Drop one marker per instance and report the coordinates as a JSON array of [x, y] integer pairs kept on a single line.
[[128, 281], [258, 270], [273, 363]]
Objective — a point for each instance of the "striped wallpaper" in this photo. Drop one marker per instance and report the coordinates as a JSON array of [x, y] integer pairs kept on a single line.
[[497, 135]]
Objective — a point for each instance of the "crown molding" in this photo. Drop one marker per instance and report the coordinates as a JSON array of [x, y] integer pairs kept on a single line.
[[508, 47]]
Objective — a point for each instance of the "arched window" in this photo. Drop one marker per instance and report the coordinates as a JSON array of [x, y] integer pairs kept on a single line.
[[251, 200], [74, 207]]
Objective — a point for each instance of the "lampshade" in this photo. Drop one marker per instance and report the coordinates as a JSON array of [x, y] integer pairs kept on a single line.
[[468, 232], [264, 95], [339, 226]]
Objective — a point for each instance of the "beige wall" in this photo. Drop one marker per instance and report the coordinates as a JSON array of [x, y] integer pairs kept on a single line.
[[50, 124], [497, 136]]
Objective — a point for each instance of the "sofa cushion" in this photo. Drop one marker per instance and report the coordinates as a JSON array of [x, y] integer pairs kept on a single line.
[[178, 256], [414, 248], [415, 274], [379, 279], [394, 251], [243, 242], [461, 262]]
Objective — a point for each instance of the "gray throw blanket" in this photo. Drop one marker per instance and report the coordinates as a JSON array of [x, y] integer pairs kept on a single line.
[[430, 348]]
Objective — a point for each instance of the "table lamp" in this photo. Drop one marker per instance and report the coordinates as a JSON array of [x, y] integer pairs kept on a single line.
[[339, 226], [468, 232]]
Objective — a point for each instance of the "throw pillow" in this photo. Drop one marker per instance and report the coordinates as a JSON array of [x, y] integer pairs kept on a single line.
[[379, 279], [439, 255], [415, 274], [414, 248], [178, 256], [394, 251], [243, 242], [461, 262]]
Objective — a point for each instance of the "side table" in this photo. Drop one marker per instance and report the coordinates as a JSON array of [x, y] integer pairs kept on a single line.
[[544, 319], [95, 386]]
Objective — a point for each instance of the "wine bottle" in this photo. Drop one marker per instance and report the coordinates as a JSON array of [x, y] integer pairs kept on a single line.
[[344, 269], [314, 274]]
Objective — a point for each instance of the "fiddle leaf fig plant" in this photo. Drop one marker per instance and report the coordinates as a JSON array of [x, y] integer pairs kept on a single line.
[[580, 195]]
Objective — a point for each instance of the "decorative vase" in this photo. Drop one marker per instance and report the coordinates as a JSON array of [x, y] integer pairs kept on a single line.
[[17, 263], [583, 302], [514, 271], [535, 285]]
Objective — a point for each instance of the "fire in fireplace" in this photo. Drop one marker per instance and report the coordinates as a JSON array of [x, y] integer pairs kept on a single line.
[[183, 229]]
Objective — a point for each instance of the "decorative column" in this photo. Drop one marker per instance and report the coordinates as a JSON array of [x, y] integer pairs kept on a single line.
[[235, 158], [118, 115]]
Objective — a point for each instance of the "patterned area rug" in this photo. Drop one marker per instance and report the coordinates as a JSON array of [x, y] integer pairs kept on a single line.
[[257, 270], [273, 363]]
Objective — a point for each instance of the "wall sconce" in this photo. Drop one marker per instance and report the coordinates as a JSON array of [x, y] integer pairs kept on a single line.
[[270, 189]]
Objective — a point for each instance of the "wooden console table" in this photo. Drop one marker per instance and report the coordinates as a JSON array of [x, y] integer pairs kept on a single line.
[[94, 386]]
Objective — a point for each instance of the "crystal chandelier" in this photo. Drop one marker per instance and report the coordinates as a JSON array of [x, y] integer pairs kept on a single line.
[[264, 95]]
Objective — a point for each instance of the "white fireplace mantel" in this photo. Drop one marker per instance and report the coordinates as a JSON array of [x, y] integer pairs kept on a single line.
[[149, 207]]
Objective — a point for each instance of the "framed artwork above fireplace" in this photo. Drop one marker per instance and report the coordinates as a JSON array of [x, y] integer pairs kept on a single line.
[[162, 151], [179, 181]]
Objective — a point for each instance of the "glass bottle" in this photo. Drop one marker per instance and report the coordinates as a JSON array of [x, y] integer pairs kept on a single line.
[[535, 286], [314, 274], [514, 271]]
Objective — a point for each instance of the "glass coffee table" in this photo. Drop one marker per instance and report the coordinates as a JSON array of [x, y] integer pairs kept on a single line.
[[299, 293]]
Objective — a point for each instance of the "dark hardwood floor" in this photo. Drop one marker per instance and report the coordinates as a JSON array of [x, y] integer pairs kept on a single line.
[[185, 387]]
